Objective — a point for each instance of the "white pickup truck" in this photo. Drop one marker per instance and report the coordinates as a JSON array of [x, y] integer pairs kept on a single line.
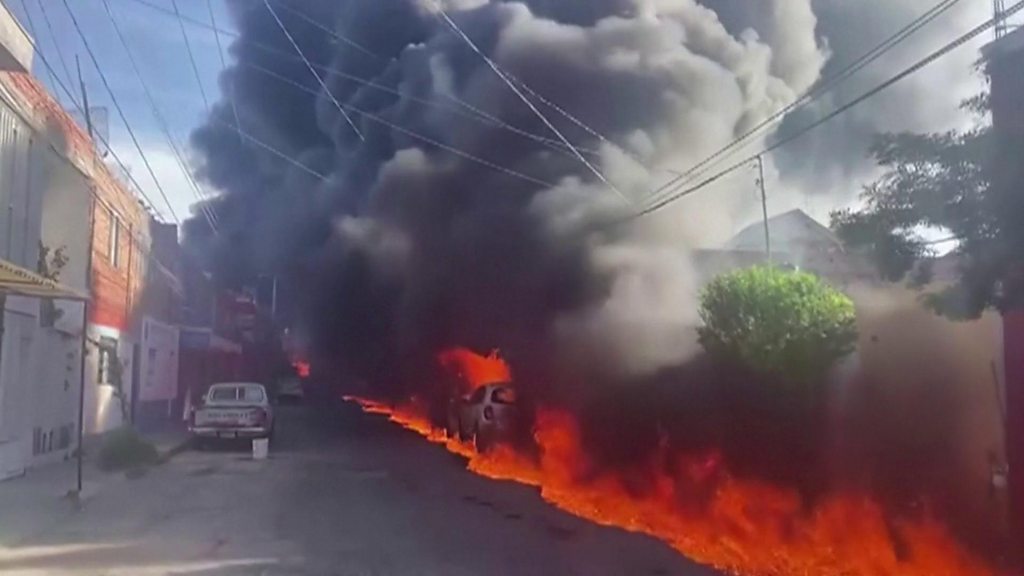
[[234, 410]]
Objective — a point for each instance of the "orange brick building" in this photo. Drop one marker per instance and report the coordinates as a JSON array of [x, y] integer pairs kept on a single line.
[[122, 264]]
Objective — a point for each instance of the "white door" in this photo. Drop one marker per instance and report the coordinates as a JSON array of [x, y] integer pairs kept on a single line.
[[15, 395]]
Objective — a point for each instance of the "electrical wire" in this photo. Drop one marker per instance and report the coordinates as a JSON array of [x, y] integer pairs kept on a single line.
[[814, 93], [582, 125], [120, 111], [223, 63], [344, 108], [917, 66], [334, 33], [270, 149], [53, 37], [312, 70], [415, 135], [207, 211], [515, 89], [191, 56], [60, 83], [477, 114]]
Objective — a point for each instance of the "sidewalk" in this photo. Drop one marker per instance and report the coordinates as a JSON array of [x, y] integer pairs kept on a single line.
[[43, 497]]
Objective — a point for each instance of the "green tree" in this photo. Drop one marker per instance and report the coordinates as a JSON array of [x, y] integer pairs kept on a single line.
[[955, 184], [788, 324]]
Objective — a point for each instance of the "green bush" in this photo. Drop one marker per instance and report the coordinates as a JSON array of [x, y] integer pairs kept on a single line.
[[787, 324], [124, 449]]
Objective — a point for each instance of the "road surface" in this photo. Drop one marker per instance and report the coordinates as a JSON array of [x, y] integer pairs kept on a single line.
[[343, 494]]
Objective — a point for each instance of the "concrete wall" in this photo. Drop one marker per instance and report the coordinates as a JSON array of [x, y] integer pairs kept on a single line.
[[45, 197]]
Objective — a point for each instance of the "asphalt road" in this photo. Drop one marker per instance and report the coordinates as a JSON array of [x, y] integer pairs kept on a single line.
[[343, 494]]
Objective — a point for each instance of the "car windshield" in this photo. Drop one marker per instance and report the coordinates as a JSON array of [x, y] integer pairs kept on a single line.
[[239, 393], [503, 287]]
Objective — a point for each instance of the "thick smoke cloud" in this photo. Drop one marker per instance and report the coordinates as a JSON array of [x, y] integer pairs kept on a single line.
[[833, 162], [405, 247], [399, 246]]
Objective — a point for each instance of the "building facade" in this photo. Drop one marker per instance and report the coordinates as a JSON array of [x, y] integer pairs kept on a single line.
[[43, 197]]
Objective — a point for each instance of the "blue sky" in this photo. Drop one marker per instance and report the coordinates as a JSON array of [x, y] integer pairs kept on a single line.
[[156, 42]]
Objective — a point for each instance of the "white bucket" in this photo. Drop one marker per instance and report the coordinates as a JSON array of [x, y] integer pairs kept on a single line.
[[260, 448]]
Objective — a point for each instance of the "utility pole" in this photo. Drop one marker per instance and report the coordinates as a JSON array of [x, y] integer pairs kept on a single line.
[[764, 208], [273, 300], [999, 14], [85, 304]]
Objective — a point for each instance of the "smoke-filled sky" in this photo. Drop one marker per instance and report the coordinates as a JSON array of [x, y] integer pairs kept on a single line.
[[461, 219], [433, 207], [849, 27]]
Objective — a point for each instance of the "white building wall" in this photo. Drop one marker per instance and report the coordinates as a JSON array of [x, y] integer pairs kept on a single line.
[[43, 199], [158, 360]]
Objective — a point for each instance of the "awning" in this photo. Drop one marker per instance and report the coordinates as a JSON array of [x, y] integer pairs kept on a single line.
[[17, 281]]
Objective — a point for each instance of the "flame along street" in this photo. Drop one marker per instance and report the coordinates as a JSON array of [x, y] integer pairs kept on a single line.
[[342, 493], [691, 501]]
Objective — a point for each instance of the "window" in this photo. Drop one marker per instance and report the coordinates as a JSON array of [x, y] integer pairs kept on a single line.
[[478, 395], [115, 240], [223, 393], [503, 396], [151, 367], [252, 394]]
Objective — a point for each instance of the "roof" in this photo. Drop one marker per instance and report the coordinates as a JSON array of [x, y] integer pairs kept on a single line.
[[1009, 44], [791, 231], [15, 280]]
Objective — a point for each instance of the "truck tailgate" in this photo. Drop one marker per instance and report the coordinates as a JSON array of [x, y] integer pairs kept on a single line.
[[226, 417]]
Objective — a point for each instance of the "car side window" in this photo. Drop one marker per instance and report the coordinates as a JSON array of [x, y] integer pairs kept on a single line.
[[253, 394], [478, 396], [503, 396]]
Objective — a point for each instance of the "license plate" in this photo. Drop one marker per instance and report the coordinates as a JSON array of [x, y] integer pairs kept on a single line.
[[229, 434]]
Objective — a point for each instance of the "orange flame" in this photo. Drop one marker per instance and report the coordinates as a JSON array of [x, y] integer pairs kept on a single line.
[[476, 370], [738, 526]]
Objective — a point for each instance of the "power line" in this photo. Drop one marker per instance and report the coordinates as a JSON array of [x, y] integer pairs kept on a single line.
[[120, 111], [478, 115], [415, 135], [60, 83], [270, 149], [497, 71], [941, 52], [815, 92], [343, 108], [223, 63], [161, 121], [191, 56], [571, 118], [319, 79], [248, 137], [53, 38], [334, 33]]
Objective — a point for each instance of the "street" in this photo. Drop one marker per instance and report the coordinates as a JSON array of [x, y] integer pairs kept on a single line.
[[343, 494]]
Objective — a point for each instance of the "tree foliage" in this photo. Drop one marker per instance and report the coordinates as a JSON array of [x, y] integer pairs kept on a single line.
[[951, 184], [788, 324]]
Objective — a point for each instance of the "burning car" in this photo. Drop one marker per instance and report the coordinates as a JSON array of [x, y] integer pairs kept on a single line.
[[488, 415]]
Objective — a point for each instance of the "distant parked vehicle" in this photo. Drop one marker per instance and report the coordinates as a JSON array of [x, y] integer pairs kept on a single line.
[[488, 415], [234, 410], [289, 390]]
